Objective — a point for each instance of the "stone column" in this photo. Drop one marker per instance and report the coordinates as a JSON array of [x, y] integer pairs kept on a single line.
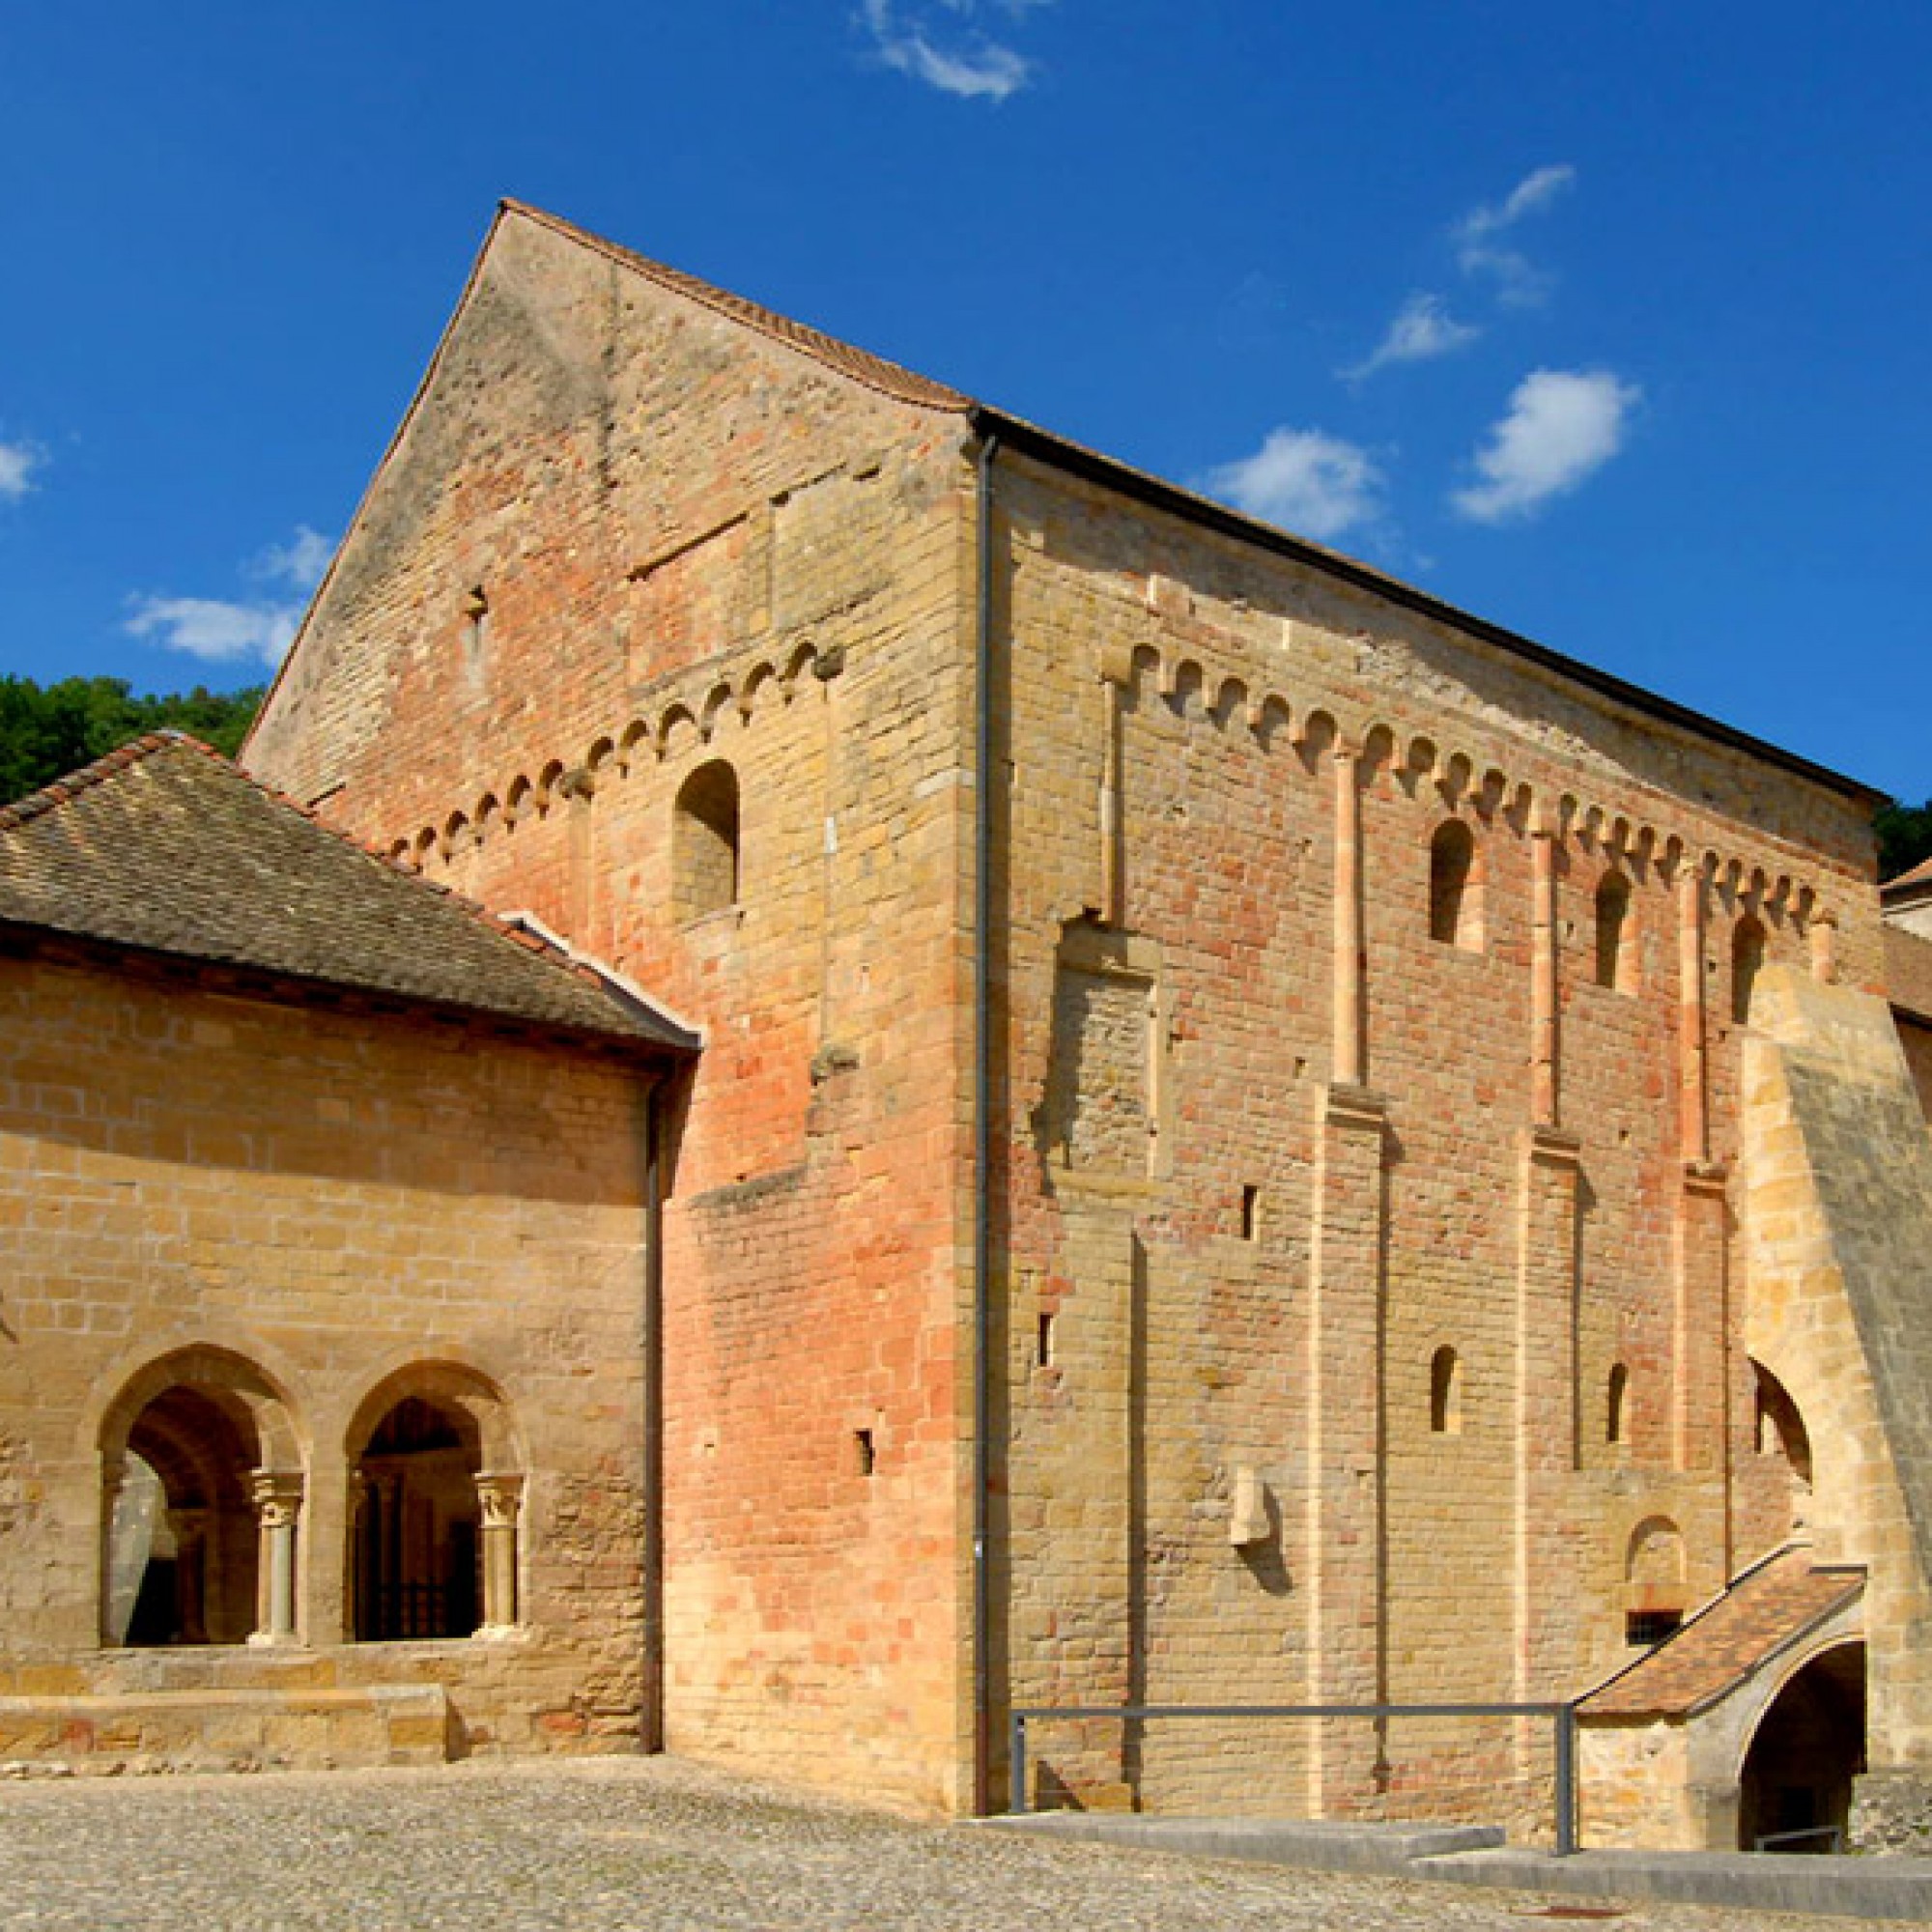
[[1546, 1076], [1348, 1053], [500, 1496], [277, 1497], [1693, 1089], [113, 1627], [1549, 1605], [1344, 1557], [1113, 855], [1699, 1404], [1825, 949], [1701, 1410]]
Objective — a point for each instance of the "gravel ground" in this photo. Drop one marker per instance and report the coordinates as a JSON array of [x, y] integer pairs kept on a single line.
[[649, 1842]]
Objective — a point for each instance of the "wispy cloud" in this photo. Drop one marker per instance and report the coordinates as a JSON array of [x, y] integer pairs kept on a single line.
[[18, 461], [236, 630], [299, 563], [1423, 330], [938, 41], [215, 630], [1561, 427], [1310, 482], [1482, 252]]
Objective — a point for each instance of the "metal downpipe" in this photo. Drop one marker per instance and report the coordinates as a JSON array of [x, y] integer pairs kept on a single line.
[[983, 1145]]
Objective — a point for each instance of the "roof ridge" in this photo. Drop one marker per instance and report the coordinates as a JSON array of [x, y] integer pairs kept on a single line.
[[863, 365], [52, 796]]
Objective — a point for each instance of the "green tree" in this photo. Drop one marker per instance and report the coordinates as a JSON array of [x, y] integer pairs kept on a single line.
[[48, 730], [1904, 837]]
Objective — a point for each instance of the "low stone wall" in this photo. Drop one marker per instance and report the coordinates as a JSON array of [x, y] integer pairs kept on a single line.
[[229, 1730], [247, 1707]]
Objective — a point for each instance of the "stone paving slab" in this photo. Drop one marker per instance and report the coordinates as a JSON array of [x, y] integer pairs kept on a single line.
[[661, 1844], [1899, 1889]]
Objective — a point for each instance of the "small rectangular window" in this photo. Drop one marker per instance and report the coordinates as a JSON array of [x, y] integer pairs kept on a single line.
[[1043, 1346], [1644, 1629], [864, 1457], [1251, 1213]]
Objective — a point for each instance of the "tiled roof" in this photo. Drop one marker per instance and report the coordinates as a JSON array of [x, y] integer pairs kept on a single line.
[[1911, 885], [1759, 1615], [166, 847], [1908, 970]]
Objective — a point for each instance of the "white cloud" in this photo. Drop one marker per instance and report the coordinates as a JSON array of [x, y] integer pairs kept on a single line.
[[1531, 195], [1423, 328], [1562, 426], [956, 58], [299, 562], [1315, 484], [210, 628], [17, 463], [234, 630], [1479, 252]]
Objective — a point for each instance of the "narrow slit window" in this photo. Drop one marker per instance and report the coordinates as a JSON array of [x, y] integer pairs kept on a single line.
[[1445, 1393], [1615, 1417], [1613, 949], [1747, 962], [1251, 1213], [1452, 886], [1044, 1343], [864, 1456]]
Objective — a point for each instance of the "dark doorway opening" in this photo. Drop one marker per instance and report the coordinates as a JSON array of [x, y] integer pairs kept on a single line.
[[416, 1548], [1795, 1789]]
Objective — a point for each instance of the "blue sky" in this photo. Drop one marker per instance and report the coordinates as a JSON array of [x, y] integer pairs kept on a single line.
[[1608, 324]]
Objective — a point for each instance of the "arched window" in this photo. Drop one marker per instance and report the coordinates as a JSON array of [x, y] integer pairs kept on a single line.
[[204, 1490], [1616, 956], [1453, 909], [1616, 1413], [1445, 1393], [1654, 1581], [704, 840], [437, 1489], [1747, 960], [1780, 1427]]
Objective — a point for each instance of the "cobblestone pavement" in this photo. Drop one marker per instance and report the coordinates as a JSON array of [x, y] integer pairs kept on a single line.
[[649, 1842]]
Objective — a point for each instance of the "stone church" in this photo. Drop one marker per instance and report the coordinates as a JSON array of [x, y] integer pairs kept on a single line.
[[844, 1071]]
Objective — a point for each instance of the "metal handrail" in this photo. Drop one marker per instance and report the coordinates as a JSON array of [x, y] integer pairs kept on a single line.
[[1833, 1839], [1563, 1717]]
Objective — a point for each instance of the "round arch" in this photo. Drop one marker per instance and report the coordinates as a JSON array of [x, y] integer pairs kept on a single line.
[[201, 1480], [1809, 1744], [478, 1401], [437, 1472], [230, 1378]]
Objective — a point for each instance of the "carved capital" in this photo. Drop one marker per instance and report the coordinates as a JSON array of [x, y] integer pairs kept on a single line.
[[277, 1495], [498, 1494]]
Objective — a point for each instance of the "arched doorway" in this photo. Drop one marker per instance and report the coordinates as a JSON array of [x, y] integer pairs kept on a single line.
[[434, 1548], [1795, 1791], [201, 1489]]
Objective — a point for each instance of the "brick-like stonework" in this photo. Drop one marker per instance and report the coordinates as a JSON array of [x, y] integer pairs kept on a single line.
[[346, 1203], [1269, 1160]]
